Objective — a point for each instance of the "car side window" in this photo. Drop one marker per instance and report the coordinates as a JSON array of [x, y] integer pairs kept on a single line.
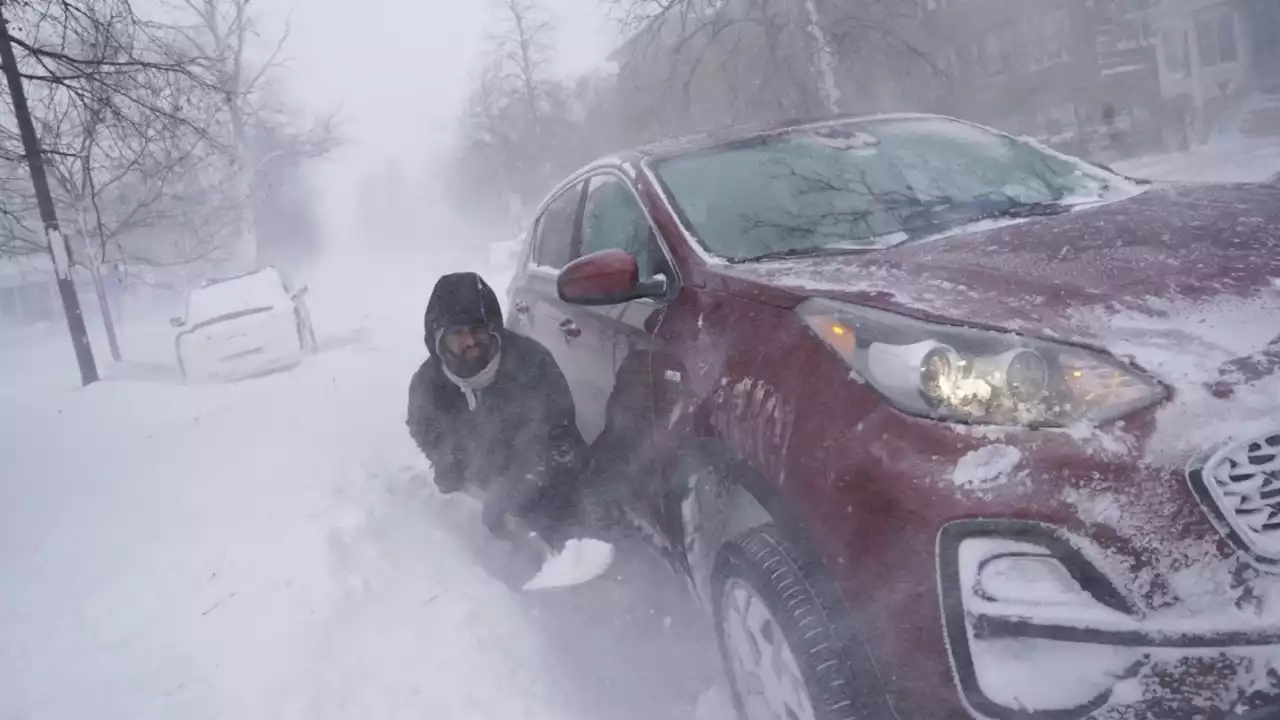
[[613, 219], [555, 230]]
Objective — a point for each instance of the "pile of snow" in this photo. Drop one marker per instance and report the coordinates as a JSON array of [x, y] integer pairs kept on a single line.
[[986, 467]]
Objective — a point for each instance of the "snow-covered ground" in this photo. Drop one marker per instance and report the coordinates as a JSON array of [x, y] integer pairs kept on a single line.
[[275, 548], [1234, 161]]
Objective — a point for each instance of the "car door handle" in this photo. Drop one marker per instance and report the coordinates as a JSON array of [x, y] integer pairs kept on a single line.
[[569, 328]]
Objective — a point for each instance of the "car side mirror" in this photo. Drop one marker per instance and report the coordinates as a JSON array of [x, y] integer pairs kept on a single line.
[[177, 322], [606, 277]]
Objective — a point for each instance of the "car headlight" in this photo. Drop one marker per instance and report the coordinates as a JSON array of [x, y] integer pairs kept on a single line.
[[975, 376]]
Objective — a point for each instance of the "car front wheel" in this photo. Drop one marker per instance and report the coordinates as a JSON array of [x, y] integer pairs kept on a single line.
[[779, 639]]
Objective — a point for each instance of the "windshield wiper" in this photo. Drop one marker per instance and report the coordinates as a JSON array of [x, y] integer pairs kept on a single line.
[[985, 211], [1031, 209], [819, 251]]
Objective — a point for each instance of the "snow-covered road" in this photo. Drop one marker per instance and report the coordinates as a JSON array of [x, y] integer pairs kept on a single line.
[[274, 549]]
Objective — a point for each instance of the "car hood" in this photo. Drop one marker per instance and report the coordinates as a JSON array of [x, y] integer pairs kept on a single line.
[[1183, 281]]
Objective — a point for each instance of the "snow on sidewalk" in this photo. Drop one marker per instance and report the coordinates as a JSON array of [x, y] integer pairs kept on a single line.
[[234, 552], [1235, 161]]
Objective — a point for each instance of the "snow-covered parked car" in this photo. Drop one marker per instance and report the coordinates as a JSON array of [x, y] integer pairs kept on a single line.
[[243, 326]]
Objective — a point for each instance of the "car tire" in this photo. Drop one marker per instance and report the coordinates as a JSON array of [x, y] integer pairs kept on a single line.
[[764, 592]]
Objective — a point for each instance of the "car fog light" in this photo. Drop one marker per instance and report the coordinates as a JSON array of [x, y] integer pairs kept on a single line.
[[1030, 579], [1002, 583]]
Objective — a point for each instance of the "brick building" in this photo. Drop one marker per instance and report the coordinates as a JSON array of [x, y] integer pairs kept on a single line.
[[1219, 65]]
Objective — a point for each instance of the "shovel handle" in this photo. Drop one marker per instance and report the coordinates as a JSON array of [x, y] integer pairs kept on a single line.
[[521, 530]]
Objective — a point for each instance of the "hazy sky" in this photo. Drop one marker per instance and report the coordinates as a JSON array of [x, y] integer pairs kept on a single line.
[[400, 69]]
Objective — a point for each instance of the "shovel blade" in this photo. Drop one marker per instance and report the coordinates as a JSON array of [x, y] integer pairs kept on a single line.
[[580, 561]]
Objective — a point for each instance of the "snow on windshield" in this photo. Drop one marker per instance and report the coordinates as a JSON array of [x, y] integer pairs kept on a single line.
[[258, 290], [866, 185]]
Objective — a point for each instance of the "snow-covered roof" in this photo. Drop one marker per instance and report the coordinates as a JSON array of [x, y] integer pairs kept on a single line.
[[264, 288]]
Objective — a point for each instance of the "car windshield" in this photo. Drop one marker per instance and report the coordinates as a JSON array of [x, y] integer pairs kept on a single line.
[[866, 185], [258, 290]]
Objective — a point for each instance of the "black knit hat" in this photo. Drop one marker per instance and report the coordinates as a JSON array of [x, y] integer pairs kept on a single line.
[[462, 298]]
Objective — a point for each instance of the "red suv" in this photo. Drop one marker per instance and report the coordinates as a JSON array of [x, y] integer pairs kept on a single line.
[[938, 422]]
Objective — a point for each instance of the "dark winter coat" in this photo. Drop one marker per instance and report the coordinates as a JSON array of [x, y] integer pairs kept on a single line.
[[521, 443]]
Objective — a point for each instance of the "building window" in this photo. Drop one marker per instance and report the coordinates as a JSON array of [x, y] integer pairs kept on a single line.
[[1216, 39], [1048, 37], [1058, 123], [1227, 48], [992, 55], [1174, 45]]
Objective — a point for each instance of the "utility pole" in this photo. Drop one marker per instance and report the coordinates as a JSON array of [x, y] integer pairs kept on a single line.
[[58, 246]]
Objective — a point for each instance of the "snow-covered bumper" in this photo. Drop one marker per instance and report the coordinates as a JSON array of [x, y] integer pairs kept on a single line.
[[1159, 600], [241, 347], [1036, 628]]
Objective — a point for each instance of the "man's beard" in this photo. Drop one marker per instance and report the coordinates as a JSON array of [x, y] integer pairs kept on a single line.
[[465, 366]]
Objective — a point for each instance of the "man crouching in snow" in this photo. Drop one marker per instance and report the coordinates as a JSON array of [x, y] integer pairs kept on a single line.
[[492, 412]]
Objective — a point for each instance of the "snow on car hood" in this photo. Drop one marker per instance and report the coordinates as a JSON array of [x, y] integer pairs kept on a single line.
[[1182, 280]]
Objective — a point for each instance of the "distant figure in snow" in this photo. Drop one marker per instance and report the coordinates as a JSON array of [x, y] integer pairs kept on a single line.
[[492, 412]]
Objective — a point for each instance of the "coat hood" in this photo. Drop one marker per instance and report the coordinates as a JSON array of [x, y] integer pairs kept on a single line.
[[462, 298]]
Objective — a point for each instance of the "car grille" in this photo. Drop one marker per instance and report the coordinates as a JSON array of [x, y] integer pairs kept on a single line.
[[1240, 487]]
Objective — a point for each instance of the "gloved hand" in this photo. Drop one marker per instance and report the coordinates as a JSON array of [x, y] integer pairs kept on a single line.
[[449, 480], [506, 496], [497, 503]]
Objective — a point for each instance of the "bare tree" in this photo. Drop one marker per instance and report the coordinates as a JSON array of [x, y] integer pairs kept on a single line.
[[223, 31], [694, 64], [283, 207], [517, 127], [149, 131], [117, 183], [90, 49], [74, 55]]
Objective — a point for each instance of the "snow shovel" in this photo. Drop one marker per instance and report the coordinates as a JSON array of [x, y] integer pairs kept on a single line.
[[579, 561]]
